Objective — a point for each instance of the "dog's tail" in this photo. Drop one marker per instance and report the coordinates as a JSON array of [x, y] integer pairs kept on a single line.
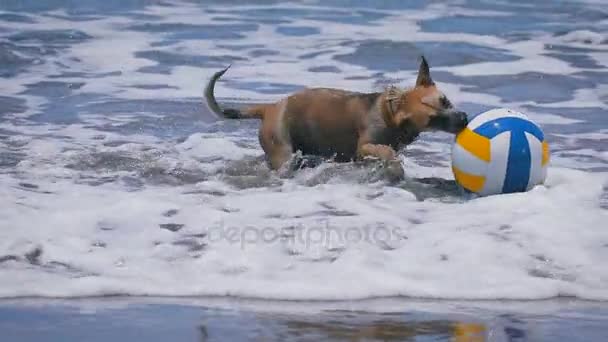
[[255, 112]]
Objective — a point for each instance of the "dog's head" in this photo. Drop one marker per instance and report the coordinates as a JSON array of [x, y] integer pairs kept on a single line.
[[423, 107]]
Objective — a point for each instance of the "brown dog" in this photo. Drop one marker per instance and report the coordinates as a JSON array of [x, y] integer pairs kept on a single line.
[[347, 125]]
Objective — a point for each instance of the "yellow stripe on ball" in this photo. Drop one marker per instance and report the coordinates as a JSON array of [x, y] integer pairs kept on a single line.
[[545, 159], [468, 181], [476, 144]]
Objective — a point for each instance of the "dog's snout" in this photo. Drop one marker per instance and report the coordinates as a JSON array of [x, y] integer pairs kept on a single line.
[[462, 119], [450, 121]]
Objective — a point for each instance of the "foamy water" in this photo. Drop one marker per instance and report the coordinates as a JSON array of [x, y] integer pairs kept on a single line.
[[114, 179]]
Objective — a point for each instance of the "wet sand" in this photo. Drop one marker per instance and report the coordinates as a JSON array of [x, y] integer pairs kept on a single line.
[[214, 319]]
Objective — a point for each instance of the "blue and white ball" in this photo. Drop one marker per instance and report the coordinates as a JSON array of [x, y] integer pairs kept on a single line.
[[500, 151]]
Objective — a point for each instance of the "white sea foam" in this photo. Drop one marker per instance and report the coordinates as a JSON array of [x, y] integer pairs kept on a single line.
[[387, 243], [586, 97], [600, 57], [131, 263], [599, 135], [533, 61], [584, 37]]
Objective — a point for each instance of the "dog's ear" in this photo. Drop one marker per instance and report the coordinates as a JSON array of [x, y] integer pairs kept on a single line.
[[424, 75]]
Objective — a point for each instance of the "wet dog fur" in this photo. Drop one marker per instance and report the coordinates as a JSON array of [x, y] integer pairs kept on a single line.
[[346, 125]]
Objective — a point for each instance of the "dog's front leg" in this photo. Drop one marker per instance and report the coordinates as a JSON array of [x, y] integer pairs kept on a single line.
[[383, 152]]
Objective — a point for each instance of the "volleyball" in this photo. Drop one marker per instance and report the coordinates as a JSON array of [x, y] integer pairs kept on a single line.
[[500, 151]]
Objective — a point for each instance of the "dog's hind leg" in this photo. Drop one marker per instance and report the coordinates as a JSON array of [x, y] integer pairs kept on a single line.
[[274, 137], [278, 151]]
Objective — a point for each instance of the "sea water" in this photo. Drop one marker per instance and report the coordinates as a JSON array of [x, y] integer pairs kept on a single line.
[[116, 180]]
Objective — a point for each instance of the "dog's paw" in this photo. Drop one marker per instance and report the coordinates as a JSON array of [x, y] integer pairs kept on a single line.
[[387, 153], [394, 170]]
